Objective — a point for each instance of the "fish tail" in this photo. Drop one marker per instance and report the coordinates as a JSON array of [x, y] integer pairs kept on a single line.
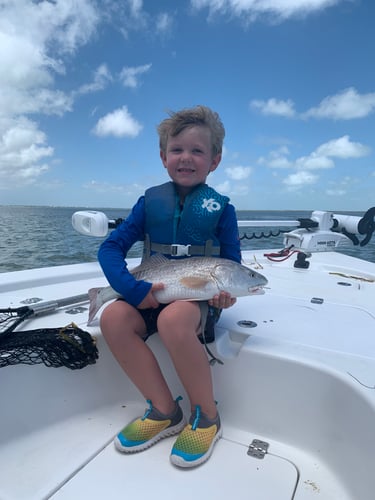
[[95, 304]]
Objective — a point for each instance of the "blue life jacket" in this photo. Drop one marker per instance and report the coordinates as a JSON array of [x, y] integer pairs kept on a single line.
[[177, 231]]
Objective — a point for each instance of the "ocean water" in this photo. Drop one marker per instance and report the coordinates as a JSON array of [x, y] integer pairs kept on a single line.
[[33, 237]]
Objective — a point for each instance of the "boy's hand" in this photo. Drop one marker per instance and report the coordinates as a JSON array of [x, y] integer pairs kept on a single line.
[[222, 301], [150, 302]]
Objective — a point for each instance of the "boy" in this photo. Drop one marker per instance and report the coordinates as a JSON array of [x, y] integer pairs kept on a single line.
[[180, 218]]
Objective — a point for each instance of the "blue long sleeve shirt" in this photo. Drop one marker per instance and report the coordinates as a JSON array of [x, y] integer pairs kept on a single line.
[[113, 251]]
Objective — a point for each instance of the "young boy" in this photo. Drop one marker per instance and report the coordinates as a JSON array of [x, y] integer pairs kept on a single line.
[[180, 218]]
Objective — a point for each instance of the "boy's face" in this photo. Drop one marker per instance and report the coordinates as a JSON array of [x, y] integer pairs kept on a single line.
[[189, 159]]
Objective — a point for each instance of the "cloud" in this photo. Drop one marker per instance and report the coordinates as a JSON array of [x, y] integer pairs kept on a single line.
[[343, 147], [238, 173], [335, 192], [129, 75], [36, 40], [314, 161], [106, 187], [319, 159], [119, 123], [300, 179], [223, 187], [237, 189], [102, 76], [346, 105], [130, 16], [277, 158], [341, 186], [135, 7], [235, 184], [251, 10], [163, 23], [23, 152], [38, 43], [274, 107]]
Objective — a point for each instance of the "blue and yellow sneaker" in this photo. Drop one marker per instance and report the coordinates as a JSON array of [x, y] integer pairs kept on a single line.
[[196, 442], [143, 432]]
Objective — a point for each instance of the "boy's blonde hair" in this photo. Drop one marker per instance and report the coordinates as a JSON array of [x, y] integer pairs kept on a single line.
[[197, 116]]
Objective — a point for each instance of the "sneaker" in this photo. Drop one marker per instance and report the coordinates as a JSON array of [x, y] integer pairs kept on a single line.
[[196, 442], [143, 432]]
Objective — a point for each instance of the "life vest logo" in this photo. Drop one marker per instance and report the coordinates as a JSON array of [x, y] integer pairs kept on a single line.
[[211, 205]]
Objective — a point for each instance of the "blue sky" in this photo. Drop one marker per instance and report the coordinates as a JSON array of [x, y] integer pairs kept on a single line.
[[84, 83]]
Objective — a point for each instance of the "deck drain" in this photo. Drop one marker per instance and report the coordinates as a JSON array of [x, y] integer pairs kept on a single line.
[[76, 310], [317, 300], [245, 323]]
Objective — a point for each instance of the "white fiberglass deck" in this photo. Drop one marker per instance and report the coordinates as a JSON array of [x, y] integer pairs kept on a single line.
[[298, 374]]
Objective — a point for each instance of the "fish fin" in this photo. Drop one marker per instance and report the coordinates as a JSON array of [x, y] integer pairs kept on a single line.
[[194, 282], [94, 306], [150, 263]]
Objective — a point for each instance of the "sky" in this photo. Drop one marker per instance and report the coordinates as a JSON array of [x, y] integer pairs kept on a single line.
[[84, 84]]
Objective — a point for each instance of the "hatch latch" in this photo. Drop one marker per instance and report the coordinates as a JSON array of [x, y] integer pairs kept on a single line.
[[258, 449]]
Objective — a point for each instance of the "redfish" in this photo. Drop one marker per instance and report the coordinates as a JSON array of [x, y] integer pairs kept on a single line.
[[193, 278]]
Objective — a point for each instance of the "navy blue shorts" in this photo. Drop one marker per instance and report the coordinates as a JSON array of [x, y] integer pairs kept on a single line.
[[150, 317]]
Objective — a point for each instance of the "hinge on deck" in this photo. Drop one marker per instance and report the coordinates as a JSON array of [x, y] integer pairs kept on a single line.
[[258, 448]]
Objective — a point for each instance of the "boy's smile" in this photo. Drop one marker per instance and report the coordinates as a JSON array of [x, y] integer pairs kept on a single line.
[[189, 158]]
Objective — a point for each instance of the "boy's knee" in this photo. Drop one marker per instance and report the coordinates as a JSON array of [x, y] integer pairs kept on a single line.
[[120, 319], [177, 322], [104, 318]]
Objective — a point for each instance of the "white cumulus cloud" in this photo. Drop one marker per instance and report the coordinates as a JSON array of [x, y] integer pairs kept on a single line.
[[314, 162], [346, 105], [35, 40], [23, 152], [274, 106], [238, 173], [319, 159], [343, 147], [119, 123], [300, 179]]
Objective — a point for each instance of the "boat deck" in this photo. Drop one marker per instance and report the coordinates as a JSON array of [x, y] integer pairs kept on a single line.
[[298, 374]]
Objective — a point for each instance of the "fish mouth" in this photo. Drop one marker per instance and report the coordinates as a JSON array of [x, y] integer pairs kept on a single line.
[[256, 290]]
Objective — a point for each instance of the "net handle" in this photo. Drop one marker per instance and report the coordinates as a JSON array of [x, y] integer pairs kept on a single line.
[[45, 307], [20, 314], [52, 305]]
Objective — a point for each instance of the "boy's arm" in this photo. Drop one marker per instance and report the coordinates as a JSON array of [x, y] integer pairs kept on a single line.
[[227, 233], [112, 254]]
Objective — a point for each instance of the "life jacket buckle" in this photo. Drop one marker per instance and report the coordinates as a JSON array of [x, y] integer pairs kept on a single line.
[[180, 250]]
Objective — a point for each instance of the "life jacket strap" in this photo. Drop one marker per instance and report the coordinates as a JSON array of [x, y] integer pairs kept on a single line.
[[176, 250]]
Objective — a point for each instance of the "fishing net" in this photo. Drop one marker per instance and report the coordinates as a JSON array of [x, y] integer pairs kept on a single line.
[[68, 346]]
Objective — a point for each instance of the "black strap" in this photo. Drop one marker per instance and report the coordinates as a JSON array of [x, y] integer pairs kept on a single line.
[[207, 250], [204, 315]]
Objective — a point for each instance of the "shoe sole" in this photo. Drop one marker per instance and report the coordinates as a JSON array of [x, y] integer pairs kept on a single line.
[[180, 462], [169, 431]]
